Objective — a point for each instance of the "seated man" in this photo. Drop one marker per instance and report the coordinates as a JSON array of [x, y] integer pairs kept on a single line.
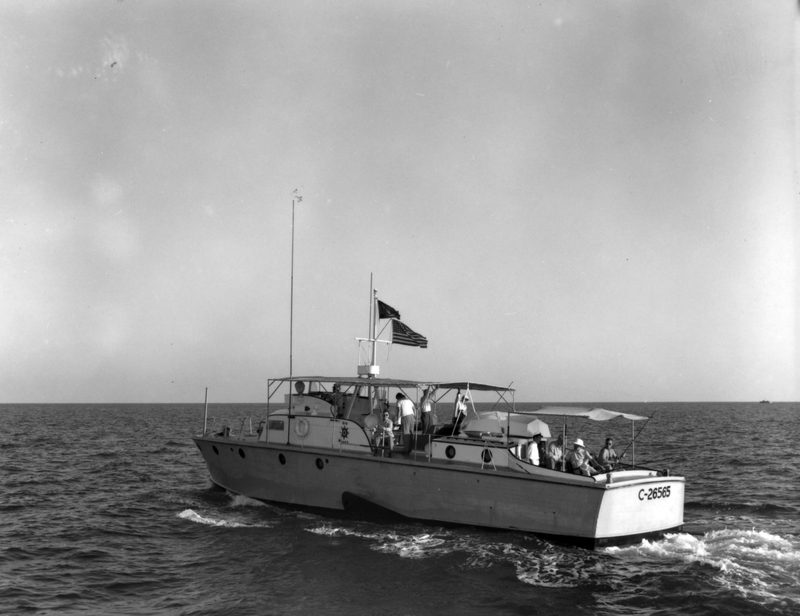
[[384, 438], [580, 461], [541, 450], [555, 454], [608, 457]]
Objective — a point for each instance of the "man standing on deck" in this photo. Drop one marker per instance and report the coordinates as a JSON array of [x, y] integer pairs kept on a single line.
[[460, 411], [425, 409], [405, 413]]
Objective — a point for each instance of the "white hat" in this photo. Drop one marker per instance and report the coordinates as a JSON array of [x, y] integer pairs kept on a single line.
[[579, 442]]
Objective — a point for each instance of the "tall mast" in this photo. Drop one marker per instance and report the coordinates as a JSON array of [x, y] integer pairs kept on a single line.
[[373, 320], [373, 310], [291, 298], [371, 369], [298, 199], [371, 328]]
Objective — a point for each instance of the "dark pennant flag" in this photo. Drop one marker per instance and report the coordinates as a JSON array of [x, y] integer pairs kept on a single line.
[[403, 334], [385, 311]]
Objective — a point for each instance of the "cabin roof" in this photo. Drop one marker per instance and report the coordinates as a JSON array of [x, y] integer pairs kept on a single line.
[[384, 382], [595, 414]]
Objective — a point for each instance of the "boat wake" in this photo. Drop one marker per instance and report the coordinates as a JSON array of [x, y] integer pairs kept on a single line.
[[416, 546], [541, 564], [538, 565], [193, 516], [239, 500], [405, 546], [719, 547], [764, 509], [760, 565]]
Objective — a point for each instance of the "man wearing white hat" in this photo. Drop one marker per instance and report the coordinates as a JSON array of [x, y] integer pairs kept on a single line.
[[580, 460]]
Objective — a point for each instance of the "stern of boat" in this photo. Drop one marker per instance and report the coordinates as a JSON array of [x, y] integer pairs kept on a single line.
[[636, 507]]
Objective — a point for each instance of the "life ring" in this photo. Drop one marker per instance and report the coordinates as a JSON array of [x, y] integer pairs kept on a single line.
[[301, 427]]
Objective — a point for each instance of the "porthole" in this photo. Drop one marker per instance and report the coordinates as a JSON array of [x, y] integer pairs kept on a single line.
[[487, 456], [450, 452], [320, 464], [282, 459], [241, 453], [214, 447]]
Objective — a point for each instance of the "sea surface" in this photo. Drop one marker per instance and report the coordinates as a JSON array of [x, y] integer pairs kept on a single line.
[[108, 509]]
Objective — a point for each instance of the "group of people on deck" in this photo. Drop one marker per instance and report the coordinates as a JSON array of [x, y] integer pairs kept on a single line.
[[578, 460], [539, 452], [406, 416]]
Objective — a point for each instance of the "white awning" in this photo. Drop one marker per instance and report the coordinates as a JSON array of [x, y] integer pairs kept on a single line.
[[595, 414]]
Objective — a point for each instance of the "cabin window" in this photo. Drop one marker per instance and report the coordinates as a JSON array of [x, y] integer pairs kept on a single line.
[[241, 453], [276, 424], [450, 452], [487, 456], [320, 464], [214, 447], [282, 459]]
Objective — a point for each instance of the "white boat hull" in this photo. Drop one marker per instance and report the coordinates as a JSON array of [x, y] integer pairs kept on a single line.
[[576, 509]]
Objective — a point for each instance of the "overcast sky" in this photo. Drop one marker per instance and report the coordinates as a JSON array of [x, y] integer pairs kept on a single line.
[[593, 200]]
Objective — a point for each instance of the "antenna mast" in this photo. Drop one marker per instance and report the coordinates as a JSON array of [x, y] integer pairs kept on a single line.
[[371, 368], [298, 199]]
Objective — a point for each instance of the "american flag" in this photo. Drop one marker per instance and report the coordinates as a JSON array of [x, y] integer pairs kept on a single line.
[[403, 334]]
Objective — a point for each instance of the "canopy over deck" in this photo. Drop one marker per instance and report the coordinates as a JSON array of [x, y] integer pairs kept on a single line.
[[595, 414], [383, 382]]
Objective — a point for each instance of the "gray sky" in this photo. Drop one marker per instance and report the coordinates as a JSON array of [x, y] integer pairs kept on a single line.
[[594, 200]]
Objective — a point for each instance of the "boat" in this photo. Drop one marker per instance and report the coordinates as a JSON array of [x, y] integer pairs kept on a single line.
[[315, 448], [764, 402]]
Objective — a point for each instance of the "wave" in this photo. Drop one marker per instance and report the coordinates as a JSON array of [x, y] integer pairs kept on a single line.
[[239, 500], [752, 563], [684, 543], [172, 443], [739, 508], [405, 546], [192, 516], [537, 562]]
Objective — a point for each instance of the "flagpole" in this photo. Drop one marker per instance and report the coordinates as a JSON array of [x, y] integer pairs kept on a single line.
[[373, 394], [291, 304], [373, 314], [298, 198]]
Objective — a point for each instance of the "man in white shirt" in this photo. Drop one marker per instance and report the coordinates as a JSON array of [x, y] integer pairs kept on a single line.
[[405, 413], [528, 452], [425, 409]]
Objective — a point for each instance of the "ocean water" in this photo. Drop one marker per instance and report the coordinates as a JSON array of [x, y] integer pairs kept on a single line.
[[108, 509]]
